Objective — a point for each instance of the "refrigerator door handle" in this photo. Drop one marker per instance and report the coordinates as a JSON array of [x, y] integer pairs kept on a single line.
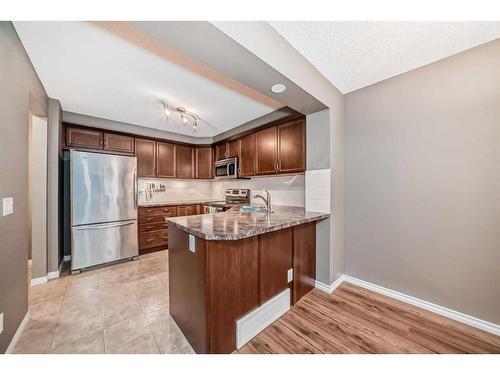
[[136, 195], [105, 226]]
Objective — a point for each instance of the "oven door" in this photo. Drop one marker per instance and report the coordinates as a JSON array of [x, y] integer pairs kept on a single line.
[[226, 169]]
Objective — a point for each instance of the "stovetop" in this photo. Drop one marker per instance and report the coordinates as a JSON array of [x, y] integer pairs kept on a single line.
[[234, 197]]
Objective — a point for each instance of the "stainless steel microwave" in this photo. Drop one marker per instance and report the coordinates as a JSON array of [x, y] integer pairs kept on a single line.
[[226, 169]]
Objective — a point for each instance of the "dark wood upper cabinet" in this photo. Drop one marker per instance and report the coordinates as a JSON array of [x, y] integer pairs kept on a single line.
[[292, 147], [226, 150], [85, 138], [247, 155], [119, 143], [266, 151], [220, 151], [204, 162], [277, 149], [165, 159], [184, 161], [233, 148], [145, 151]]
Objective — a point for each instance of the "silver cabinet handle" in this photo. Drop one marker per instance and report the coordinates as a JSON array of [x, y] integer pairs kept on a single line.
[[106, 226]]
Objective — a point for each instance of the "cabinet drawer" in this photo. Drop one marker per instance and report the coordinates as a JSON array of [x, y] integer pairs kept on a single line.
[[168, 211], [152, 227], [153, 239]]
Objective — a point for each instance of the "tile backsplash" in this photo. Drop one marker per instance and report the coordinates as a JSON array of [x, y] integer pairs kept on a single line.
[[318, 190], [175, 190], [285, 190]]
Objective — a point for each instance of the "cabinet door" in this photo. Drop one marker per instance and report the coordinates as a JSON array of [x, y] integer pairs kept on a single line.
[[266, 151], [221, 151], [292, 147], [193, 209], [184, 161], [233, 149], [119, 143], [204, 162], [182, 210], [304, 260], [247, 158], [76, 137], [275, 259], [145, 150], [165, 159]]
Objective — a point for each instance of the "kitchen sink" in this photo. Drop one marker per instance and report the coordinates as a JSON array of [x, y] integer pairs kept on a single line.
[[251, 209]]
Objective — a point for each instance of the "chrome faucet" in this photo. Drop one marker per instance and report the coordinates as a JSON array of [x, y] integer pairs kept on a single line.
[[267, 200]]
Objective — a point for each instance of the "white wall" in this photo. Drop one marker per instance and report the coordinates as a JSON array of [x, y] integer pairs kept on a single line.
[[38, 195]]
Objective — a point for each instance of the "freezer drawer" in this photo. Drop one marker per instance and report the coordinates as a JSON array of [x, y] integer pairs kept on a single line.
[[102, 243]]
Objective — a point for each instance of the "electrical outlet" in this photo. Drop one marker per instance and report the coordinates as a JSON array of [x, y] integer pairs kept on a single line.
[[192, 243], [290, 275], [8, 206], [1, 323]]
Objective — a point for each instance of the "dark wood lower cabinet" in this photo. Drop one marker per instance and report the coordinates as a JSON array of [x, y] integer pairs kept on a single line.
[[275, 259], [218, 282], [233, 282], [187, 300], [304, 260], [153, 227]]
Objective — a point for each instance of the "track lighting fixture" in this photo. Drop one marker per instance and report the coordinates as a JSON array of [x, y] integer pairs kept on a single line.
[[185, 115]]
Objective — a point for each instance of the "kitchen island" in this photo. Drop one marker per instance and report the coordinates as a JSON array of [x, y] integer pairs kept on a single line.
[[233, 272]]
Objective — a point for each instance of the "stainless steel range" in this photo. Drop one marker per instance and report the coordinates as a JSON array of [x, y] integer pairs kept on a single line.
[[234, 197]]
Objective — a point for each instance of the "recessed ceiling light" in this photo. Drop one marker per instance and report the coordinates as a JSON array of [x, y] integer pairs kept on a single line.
[[278, 88]]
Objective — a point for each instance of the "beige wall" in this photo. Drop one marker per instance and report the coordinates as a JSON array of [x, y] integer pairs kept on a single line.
[[20, 92], [423, 182]]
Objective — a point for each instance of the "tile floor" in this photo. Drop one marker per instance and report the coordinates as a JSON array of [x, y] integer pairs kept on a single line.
[[122, 308]]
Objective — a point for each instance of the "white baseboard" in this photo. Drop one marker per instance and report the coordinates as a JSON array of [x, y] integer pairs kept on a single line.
[[329, 288], [53, 275], [19, 332], [39, 280], [256, 320], [429, 306]]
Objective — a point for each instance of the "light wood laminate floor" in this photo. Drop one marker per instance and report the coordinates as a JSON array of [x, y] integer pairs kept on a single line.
[[356, 320]]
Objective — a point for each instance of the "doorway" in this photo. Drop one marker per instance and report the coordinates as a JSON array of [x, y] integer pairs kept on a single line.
[[37, 200]]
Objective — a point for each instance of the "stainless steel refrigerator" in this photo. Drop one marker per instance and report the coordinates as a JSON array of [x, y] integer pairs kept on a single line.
[[103, 191]]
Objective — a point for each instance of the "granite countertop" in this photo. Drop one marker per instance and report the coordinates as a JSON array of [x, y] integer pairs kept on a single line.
[[235, 225], [179, 202]]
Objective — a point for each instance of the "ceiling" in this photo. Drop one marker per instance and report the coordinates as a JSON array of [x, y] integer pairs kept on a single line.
[[353, 55], [112, 71]]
